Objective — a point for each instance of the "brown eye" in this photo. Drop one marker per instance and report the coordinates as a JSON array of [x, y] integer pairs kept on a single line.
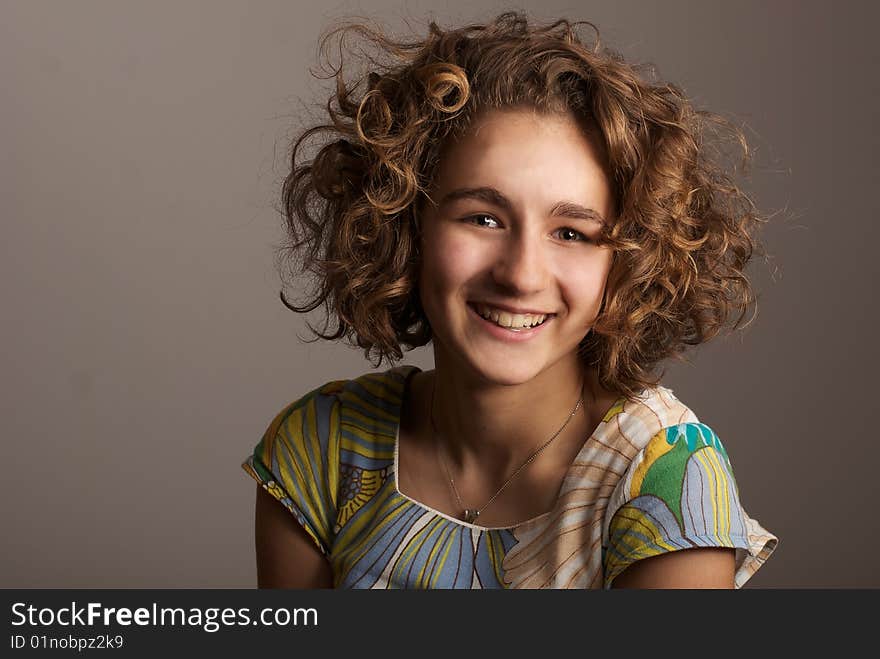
[[569, 235], [479, 220]]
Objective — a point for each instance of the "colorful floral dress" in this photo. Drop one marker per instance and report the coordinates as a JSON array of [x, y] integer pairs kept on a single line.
[[651, 479]]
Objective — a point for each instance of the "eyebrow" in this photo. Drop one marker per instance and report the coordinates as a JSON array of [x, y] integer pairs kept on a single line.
[[496, 198]]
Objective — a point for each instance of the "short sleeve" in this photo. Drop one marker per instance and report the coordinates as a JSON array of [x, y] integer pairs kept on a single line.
[[296, 461], [679, 493]]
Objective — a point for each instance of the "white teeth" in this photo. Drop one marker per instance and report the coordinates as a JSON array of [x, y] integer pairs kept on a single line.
[[510, 320]]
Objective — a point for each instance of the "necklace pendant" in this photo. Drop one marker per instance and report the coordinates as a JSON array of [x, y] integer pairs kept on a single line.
[[470, 515]]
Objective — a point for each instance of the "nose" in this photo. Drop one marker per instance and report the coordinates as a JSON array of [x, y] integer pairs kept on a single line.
[[521, 268]]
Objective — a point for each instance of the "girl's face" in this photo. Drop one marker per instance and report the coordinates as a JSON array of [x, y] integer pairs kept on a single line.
[[509, 242]]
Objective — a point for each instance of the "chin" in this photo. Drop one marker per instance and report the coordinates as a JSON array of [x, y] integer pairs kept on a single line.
[[506, 373]]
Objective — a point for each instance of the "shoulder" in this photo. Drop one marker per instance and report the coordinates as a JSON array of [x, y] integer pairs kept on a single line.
[[321, 398], [640, 420], [671, 457], [662, 436], [374, 393], [342, 421], [678, 492], [323, 440]]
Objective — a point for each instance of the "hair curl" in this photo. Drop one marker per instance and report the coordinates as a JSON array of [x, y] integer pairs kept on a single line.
[[684, 231]]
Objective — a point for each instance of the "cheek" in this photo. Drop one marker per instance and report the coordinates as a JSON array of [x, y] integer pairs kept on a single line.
[[450, 260], [583, 284]]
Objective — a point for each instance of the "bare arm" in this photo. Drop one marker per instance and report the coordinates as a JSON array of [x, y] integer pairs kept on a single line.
[[286, 556], [704, 567]]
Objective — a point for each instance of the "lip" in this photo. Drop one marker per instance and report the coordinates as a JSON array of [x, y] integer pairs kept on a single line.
[[509, 309], [507, 335]]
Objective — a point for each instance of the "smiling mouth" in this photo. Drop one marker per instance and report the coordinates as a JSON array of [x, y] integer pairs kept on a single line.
[[510, 321]]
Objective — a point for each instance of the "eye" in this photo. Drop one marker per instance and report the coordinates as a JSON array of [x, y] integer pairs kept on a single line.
[[482, 220], [569, 235]]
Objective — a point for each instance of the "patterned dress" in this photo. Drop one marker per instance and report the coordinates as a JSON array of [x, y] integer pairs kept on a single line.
[[651, 479]]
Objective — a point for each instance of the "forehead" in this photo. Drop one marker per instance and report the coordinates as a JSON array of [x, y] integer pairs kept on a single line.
[[527, 154]]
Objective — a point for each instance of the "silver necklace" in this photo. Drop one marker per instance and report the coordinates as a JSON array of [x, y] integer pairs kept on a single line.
[[470, 515]]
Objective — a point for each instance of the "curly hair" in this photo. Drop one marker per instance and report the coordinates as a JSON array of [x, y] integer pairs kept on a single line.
[[681, 241]]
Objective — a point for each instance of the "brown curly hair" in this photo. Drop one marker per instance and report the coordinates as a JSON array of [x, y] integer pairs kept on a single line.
[[682, 238]]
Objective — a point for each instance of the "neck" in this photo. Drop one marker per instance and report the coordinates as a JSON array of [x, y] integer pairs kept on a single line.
[[500, 426]]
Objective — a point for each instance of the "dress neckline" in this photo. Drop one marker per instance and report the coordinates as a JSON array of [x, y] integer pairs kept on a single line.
[[407, 376]]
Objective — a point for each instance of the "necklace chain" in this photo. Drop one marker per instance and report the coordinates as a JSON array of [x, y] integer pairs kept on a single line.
[[469, 514]]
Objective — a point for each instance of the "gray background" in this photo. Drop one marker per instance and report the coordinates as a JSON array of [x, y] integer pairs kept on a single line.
[[145, 350]]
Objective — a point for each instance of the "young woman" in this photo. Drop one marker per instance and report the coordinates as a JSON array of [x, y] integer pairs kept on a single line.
[[555, 226]]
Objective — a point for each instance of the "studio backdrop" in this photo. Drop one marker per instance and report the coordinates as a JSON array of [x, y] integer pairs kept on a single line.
[[145, 349]]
